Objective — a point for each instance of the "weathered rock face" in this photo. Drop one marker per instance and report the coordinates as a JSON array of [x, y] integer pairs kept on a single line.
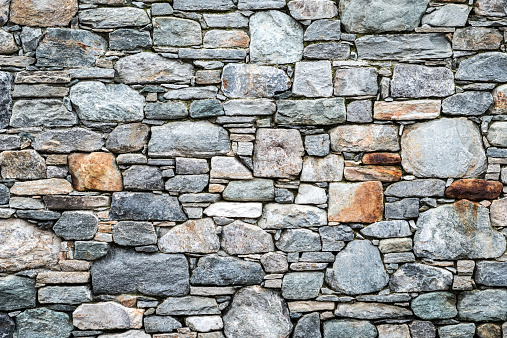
[[17, 293], [311, 112], [344, 197], [5, 99], [357, 138], [415, 277], [286, 216], [108, 315], [197, 236], [43, 322], [24, 164], [483, 67], [53, 186], [43, 14], [435, 305], [95, 171], [76, 225], [474, 189], [241, 238], [467, 103], [349, 328], [145, 206], [104, 18], [491, 273], [421, 81], [49, 113], [483, 305], [220, 271], [66, 141]]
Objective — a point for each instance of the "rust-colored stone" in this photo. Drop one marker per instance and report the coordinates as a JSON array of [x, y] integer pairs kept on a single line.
[[406, 110], [382, 158], [43, 13], [489, 330], [95, 171], [372, 173], [356, 202], [474, 189]]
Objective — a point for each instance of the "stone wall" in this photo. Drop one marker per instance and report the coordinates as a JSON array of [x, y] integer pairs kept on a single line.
[[253, 168]]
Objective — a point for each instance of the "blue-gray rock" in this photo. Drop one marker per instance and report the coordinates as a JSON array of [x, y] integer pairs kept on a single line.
[[317, 145], [199, 5], [327, 50], [68, 140], [311, 112], [451, 15], [275, 38], [416, 277], [458, 330], [257, 312], [221, 271], [76, 225], [62, 47], [143, 177], [65, 295], [129, 39], [363, 16], [154, 324], [308, 326], [439, 143], [472, 103], [302, 285], [323, 30], [403, 47], [435, 305], [176, 32], [355, 82], [43, 323], [145, 207], [387, 229], [5, 99], [422, 329], [90, 250], [491, 273], [405, 209], [421, 81], [187, 183], [134, 233], [17, 293], [358, 269], [161, 8], [334, 237], [340, 328], [490, 66], [187, 139], [360, 310], [165, 111], [299, 240], [206, 108], [128, 271], [248, 191], [497, 134], [107, 17], [95, 101], [188, 306], [417, 188], [127, 138], [483, 305], [4, 194], [35, 113], [360, 111], [457, 231], [7, 326], [261, 4], [39, 215]]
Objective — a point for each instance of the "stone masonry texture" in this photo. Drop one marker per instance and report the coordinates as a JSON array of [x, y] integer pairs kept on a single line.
[[253, 168]]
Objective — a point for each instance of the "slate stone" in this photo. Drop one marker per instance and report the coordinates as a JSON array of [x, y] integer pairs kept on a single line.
[[76, 225], [491, 273], [66, 141], [4, 194], [7, 43], [129, 39], [221, 271], [451, 15], [362, 310], [492, 8], [206, 108], [154, 324], [421, 81], [403, 46], [317, 145], [358, 269], [415, 277], [90, 250], [435, 305], [142, 177], [134, 233], [341, 328], [311, 112], [476, 38], [62, 47], [201, 139], [95, 101], [458, 330], [483, 305], [17, 293], [323, 30], [302, 285], [498, 212], [358, 138], [422, 329], [165, 111], [41, 13], [472, 103], [239, 238], [212, 54], [417, 188], [192, 93], [327, 50], [5, 99], [43, 323], [176, 32], [355, 82], [145, 206], [188, 305], [249, 107], [7, 325], [65, 295], [387, 229], [229, 20], [199, 5], [248, 191], [257, 312], [489, 66], [260, 4], [128, 271], [286, 216], [313, 79], [23, 165], [127, 138], [193, 236], [275, 38], [405, 209], [187, 183], [107, 17], [497, 134], [298, 240], [334, 237], [308, 326], [310, 194]]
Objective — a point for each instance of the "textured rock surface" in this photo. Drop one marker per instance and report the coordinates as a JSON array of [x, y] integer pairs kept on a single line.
[[145, 206], [95, 171], [43, 322], [311, 112], [41, 13], [344, 196], [197, 236]]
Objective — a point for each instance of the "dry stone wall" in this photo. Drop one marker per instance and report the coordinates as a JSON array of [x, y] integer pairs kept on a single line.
[[253, 168]]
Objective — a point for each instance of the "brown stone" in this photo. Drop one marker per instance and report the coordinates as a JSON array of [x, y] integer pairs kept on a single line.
[[226, 39], [476, 38], [368, 138], [53, 186], [474, 189], [381, 158], [356, 202], [406, 110], [489, 330], [76, 202], [23, 165], [95, 171], [43, 13], [373, 173]]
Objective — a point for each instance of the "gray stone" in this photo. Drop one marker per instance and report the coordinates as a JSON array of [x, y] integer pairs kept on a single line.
[[193, 236], [341, 328], [7, 325], [68, 140], [323, 30], [471, 103], [39, 91], [492, 8], [62, 47], [154, 324], [129, 39], [202, 139], [211, 54], [369, 138], [187, 183], [405, 209], [257, 312], [355, 82], [317, 145], [234, 210], [417, 188], [134, 233], [415, 277], [312, 9], [30, 38], [476, 38], [90, 250], [192, 93], [7, 43], [260, 4], [451, 15], [249, 80], [5, 196], [490, 66], [327, 50], [222, 271], [199, 5], [95, 101], [166, 111], [4, 17], [161, 8], [358, 269], [310, 194], [106, 316], [458, 330], [435, 305], [143, 177], [275, 38], [287, 216], [298, 240], [23, 165], [483, 305], [5, 99], [176, 32], [422, 329], [189, 305], [43, 323], [206, 108], [387, 229], [361, 310], [302, 285], [311, 112], [229, 20], [491, 273], [191, 166], [128, 271], [106, 17], [249, 107], [313, 79], [248, 191], [308, 326], [497, 134], [127, 138], [360, 111], [334, 237], [35, 113], [274, 262], [76, 225], [403, 47], [145, 206], [421, 81], [152, 68], [241, 238], [327, 169], [65, 295], [439, 143], [17, 293]]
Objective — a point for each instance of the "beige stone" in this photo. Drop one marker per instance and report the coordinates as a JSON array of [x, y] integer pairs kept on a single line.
[[24, 165], [194, 236], [372, 173], [95, 171], [63, 277], [498, 214], [53, 186], [107, 316], [43, 13], [357, 138], [407, 110], [355, 202], [310, 306], [393, 331], [229, 168]]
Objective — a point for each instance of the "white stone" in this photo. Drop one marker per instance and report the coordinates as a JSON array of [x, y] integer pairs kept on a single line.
[[204, 323], [234, 209], [310, 194]]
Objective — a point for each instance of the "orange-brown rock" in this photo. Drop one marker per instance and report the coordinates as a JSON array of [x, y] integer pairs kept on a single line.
[[372, 173], [43, 13], [474, 189], [226, 39], [356, 202], [53, 186], [382, 158], [407, 110], [95, 171]]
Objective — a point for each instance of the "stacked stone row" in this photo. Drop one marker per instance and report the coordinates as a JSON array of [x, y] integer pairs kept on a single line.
[[253, 168]]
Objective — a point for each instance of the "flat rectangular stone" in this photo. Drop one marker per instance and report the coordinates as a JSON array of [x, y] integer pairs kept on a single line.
[[62, 277], [91, 73], [208, 54], [39, 90], [16, 61], [42, 77], [212, 291], [407, 110], [234, 209], [310, 306], [192, 93], [76, 202]]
